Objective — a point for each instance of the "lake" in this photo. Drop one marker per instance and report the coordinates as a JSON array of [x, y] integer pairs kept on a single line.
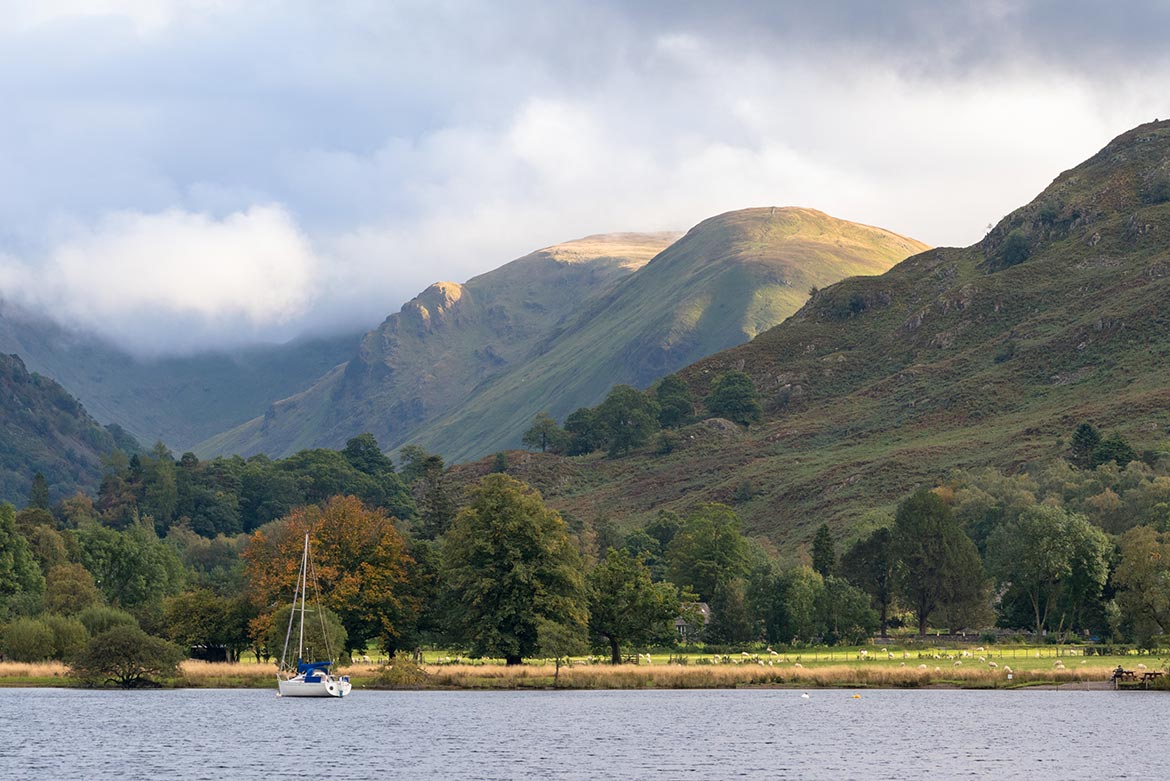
[[762, 733]]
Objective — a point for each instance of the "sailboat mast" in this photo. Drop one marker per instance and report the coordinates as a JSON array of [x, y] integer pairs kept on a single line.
[[304, 585]]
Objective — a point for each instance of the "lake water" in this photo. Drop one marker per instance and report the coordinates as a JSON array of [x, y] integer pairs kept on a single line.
[[762, 733]]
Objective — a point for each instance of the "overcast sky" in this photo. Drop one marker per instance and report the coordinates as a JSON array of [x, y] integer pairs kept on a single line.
[[182, 175]]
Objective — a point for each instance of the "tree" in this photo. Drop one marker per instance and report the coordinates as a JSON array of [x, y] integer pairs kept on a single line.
[[586, 432], [545, 434], [211, 626], [69, 589], [844, 612], [939, 563], [133, 567], [676, 403], [560, 641], [1142, 578], [1036, 553], [625, 606], [1084, 441], [126, 656], [508, 561], [361, 565], [436, 508], [872, 565], [20, 576], [160, 487], [363, 454], [735, 397], [38, 496], [707, 550], [629, 418], [799, 620], [324, 637], [1114, 449], [824, 553], [730, 620]]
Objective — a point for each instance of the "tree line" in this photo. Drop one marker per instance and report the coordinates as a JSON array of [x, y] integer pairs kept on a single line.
[[1054, 550], [629, 418]]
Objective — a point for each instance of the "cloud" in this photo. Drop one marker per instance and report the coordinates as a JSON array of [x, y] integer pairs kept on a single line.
[[416, 141], [174, 281]]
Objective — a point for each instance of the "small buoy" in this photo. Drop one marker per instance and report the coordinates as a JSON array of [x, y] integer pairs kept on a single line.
[[804, 696], [857, 696]]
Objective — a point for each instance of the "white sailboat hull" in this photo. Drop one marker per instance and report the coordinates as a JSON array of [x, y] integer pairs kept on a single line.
[[325, 686]]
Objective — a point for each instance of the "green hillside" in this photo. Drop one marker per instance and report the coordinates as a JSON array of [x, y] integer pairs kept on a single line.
[[442, 345], [984, 356], [44, 429], [180, 400], [728, 279]]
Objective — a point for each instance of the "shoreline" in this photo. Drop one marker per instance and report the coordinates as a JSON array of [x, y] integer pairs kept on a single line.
[[539, 677]]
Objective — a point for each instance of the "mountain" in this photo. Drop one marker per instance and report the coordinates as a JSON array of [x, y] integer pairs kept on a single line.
[[989, 355], [726, 280], [44, 429], [180, 400], [444, 343]]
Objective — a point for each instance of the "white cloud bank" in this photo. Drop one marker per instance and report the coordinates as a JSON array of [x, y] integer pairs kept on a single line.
[[174, 281]]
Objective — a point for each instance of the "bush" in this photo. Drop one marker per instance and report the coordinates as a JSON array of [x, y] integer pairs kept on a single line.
[[1015, 249], [126, 656], [28, 640], [101, 619], [400, 673], [69, 636]]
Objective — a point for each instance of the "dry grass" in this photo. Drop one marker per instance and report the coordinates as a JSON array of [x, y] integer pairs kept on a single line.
[[664, 676], [227, 675], [198, 674], [32, 670]]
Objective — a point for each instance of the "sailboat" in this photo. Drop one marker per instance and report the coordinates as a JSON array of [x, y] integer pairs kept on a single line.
[[309, 679]]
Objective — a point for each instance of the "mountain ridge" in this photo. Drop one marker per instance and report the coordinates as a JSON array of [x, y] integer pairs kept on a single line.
[[721, 282]]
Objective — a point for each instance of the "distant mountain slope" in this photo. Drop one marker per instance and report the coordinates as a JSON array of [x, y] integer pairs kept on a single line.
[[180, 400], [729, 278], [44, 429], [430, 356], [984, 356]]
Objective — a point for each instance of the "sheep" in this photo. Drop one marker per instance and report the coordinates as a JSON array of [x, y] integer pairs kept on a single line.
[[992, 665], [1141, 667], [957, 663], [922, 667], [901, 664], [1007, 669], [798, 665], [983, 658]]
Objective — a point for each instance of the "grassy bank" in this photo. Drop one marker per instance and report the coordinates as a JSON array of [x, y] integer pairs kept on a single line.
[[697, 673]]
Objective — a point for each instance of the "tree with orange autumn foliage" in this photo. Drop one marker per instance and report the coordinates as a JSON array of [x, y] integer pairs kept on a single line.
[[362, 567]]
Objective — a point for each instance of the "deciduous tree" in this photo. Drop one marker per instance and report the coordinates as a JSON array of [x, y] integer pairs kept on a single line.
[[126, 656], [508, 562], [735, 397], [361, 566], [625, 606]]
